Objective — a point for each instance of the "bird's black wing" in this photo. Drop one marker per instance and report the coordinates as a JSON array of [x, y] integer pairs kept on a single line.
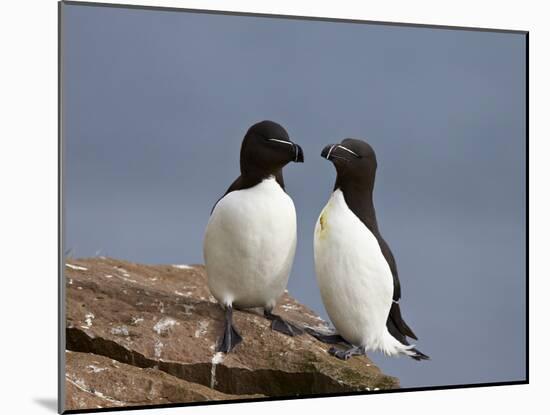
[[386, 251], [280, 180], [395, 323]]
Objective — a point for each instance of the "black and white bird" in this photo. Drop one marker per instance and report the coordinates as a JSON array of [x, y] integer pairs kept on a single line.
[[355, 267], [250, 239]]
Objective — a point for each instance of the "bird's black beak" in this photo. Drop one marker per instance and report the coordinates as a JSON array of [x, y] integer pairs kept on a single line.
[[298, 154], [327, 151]]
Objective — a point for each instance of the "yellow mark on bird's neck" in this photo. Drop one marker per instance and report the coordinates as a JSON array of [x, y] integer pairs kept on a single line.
[[323, 222], [323, 227]]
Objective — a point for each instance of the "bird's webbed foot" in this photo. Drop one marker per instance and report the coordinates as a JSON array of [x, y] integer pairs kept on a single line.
[[281, 325], [326, 338], [347, 353]]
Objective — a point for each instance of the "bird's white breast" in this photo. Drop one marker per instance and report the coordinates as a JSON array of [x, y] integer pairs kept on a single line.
[[249, 245], [354, 278]]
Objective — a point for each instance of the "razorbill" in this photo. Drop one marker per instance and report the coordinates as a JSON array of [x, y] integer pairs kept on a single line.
[[355, 267], [250, 238]]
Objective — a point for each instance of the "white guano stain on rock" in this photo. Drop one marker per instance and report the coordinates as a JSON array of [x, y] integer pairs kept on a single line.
[[88, 318], [216, 360], [184, 294], [96, 369], [203, 327], [120, 331], [125, 275], [136, 320], [122, 271], [164, 325], [76, 267], [158, 348], [182, 266], [289, 307]]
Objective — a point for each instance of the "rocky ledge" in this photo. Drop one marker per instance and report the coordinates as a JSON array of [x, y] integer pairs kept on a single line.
[[146, 334]]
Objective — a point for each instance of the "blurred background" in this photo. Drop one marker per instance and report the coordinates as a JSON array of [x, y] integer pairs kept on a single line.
[[156, 104]]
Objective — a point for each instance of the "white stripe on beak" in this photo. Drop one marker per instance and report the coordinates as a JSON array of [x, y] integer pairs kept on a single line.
[[280, 141], [290, 144], [348, 150], [330, 151]]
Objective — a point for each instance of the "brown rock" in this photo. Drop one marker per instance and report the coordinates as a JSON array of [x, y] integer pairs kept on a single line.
[[164, 317], [94, 381]]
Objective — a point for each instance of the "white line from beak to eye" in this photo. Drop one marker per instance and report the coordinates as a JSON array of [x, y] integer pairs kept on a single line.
[[280, 141], [330, 151], [348, 150], [290, 144]]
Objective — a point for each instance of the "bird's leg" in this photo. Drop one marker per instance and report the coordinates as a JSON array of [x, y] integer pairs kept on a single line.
[[281, 325], [346, 354], [230, 337], [326, 338]]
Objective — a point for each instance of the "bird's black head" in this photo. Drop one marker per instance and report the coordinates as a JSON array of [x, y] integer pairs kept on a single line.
[[355, 162], [266, 149]]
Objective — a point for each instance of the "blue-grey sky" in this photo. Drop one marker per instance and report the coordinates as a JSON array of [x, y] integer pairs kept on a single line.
[[156, 104]]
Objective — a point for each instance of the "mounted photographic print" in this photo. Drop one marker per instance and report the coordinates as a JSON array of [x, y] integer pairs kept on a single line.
[[259, 207]]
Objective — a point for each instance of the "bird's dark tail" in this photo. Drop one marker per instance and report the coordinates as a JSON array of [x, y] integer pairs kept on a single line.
[[418, 355], [395, 319], [400, 331]]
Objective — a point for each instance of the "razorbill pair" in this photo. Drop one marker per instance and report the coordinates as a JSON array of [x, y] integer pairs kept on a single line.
[[250, 243]]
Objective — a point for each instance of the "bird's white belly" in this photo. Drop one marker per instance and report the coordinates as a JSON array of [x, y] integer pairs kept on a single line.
[[250, 244], [354, 277]]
